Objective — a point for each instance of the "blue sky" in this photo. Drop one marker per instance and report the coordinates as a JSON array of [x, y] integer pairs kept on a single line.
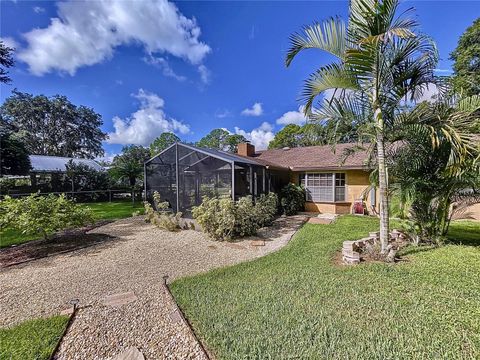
[[190, 67]]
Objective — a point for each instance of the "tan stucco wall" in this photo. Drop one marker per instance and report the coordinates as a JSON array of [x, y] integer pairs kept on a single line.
[[356, 183]]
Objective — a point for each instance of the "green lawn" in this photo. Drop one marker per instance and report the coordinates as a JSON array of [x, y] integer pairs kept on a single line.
[[35, 339], [296, 304], [102, 210]]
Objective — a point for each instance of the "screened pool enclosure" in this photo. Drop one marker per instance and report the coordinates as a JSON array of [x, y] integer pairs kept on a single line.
[[183, 174]]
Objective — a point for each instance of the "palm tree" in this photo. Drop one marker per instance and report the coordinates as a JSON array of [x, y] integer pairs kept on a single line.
[[382, 62], [437, 168]]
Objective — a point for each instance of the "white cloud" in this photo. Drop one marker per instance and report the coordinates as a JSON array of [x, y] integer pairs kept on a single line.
[[204, 74], [429, 94], [87, 33], [260, 137], [107, 157], [255, 110], [38, 9], [221, 114], [145, 124], [292, 117], [164, 66]]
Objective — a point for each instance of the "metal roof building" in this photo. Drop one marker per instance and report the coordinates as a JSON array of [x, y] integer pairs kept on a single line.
[[50, 164]]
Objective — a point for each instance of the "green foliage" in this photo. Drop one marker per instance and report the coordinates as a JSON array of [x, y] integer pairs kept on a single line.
[[266, 208], [33, 339], [160, 216], [162, 142], [289, 136], [436, 169], [100, 210], [297, 303], [14, 158], [217, 217], [466, 57], [54, 126], [292, 199], [246, 222], [6, 61], [129, 165], [225, 219], [42, 215], [85, 178], [222, 140]]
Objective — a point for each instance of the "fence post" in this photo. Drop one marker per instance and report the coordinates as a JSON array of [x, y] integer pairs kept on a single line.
[[109, 195]]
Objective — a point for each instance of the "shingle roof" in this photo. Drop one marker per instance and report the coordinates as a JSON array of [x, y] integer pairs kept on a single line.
[[41, 163], [325, 157]]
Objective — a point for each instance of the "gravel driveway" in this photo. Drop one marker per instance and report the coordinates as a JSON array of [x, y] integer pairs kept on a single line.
[[134, 261]]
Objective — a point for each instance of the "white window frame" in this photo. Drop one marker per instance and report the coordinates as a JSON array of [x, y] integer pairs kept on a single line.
[[334, 187]]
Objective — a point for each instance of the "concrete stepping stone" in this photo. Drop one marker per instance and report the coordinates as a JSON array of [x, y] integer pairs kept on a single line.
[[119, 299], [132, 353], [257, 243], [316, 220]]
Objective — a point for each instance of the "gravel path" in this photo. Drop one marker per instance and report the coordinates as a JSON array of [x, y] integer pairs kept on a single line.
[[135, 261]]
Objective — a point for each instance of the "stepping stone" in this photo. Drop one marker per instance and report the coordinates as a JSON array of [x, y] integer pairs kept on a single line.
[[175, 316], [257, 243], [319, 221], [119, 299], [132, 353], [68, 311]]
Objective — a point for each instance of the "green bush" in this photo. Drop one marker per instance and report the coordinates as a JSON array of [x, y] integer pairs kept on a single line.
[[292, 199], [217, 217], [42, 215], [266, 208], [225, 219], [161, 215]]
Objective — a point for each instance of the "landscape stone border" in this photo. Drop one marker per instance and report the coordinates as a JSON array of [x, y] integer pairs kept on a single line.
[[351, 250]]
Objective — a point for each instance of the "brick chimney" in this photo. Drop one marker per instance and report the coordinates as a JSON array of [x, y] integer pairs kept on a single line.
[[245, 149]]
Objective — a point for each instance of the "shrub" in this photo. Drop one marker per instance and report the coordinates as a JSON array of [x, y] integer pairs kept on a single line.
[[266, 207], [43, 215], [225, 219], [161, 216], [217, 217], [292, 199]]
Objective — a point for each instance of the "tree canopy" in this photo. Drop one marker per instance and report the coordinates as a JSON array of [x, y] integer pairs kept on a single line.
[[54, 126], [6, 61], [128, 166], [162, 142], [466, 57], [221, 139], [14, 158]]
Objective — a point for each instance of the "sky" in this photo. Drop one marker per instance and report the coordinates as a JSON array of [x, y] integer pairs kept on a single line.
[[186, 67]]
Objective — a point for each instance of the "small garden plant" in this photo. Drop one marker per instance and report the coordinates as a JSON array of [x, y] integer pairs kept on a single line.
[[292, 199], [43, 215], [161, 216], [225, 219]]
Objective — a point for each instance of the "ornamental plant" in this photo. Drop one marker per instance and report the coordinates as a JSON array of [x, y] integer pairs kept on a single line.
[[161, 216], [292, 199], [43, 215], [225, 219]]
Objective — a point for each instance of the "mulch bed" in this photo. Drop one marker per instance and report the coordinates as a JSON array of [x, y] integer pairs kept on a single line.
[[59, 243]]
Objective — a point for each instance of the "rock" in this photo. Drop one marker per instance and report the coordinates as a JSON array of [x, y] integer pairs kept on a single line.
[[132, 353], [119, 299], [257, 243]]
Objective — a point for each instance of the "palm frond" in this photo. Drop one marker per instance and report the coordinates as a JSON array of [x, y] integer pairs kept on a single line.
[[330, 36]]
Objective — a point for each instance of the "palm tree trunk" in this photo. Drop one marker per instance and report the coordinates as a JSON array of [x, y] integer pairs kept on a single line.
[[382, 183]]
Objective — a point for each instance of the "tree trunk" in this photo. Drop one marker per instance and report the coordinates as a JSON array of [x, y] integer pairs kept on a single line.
[[382, 183]]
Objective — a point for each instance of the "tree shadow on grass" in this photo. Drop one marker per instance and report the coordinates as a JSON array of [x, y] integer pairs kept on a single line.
[[57, 244], [465, 236]]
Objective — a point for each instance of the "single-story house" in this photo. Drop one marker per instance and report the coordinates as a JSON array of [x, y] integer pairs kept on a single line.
[[183, 174]]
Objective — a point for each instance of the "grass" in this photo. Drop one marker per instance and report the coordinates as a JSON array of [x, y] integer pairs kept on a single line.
[[297, 304], [102, 211], [34, 339]]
